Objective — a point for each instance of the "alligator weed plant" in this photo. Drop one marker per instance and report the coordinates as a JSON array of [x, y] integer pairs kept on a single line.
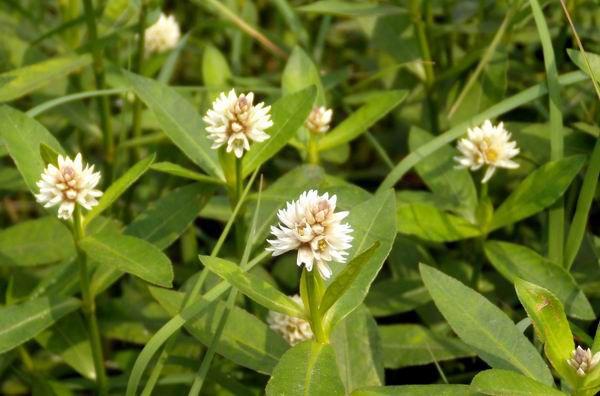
[[293, 197]]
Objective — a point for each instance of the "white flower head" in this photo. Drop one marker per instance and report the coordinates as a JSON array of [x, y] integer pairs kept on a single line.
[[319, 120], [293, 330], [487, 145], [163, 35], [68, 184], [235, 121], [583, 361], [311, 226]]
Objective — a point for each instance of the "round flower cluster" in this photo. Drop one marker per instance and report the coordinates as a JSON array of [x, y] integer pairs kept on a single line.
[[163, 35], [319, 120], [293, 330], [235, 120], [583, 361], [67, 185], [487, 145], [311, 226]]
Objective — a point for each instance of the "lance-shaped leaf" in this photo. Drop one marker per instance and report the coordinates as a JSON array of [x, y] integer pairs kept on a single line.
[[22, 138], [309, 368], [406, 345], [19, 323], [245, 339], [484, 327], [498, 382], [119, 186], [372, 222], [27, 79], [357, 348], [288, 114], [179, 120], [362, 119], [253, 286], [301, 72], [515, 261], [36, 242], [432, 224], [538, 191], [548, 316], [343, 281], [131, 255]]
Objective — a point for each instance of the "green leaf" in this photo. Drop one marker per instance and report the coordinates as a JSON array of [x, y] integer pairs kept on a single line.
[[253, 286], [344, 280], [394, 296], [358, 351], [372, 223], [179, 120], [48, 154], [351, 9], [288, 114], [309, 368], [131, 255], [519, 262], [245, 339], [538, 191], [68, 338], [178, 170], [362, 119], [20, 82], [406, 345], [417, 390], [551, 324], [36, 242], [498, 382], [442, 176], [579, 60], [22, 137], [299, 73], [19, 323], [215, 69], [166, 219], [484, 327], [432, 224], [119, 186]]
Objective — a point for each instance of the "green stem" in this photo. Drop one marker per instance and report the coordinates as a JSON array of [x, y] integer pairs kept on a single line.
[[137, 68], [314, 290], [239, 226], [415, 9], [89, 306], [313, 148], [99, 77], [26, 358]]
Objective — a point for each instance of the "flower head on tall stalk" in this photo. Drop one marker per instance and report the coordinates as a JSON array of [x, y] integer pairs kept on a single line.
[[293, 330], [311, 226], [68, 184], [162, 36], [234, 120], [487, 145], [582, 360], [319, 120]]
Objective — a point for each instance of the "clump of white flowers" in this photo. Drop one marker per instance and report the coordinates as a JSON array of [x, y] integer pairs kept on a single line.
[[293, 330], [163, 35], [236, 121], [319, 120], [487, 145], [69, 184], [583, 361], [311, 226]]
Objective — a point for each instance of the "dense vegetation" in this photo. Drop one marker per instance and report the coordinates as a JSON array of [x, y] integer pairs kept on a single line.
[[287, 197]]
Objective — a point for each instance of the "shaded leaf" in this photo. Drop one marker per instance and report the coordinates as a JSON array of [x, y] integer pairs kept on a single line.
[[503, 382]]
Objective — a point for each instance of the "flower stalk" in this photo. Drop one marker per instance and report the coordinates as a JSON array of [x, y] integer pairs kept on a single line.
[[89, 305], [313, 149], [313, 290]]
